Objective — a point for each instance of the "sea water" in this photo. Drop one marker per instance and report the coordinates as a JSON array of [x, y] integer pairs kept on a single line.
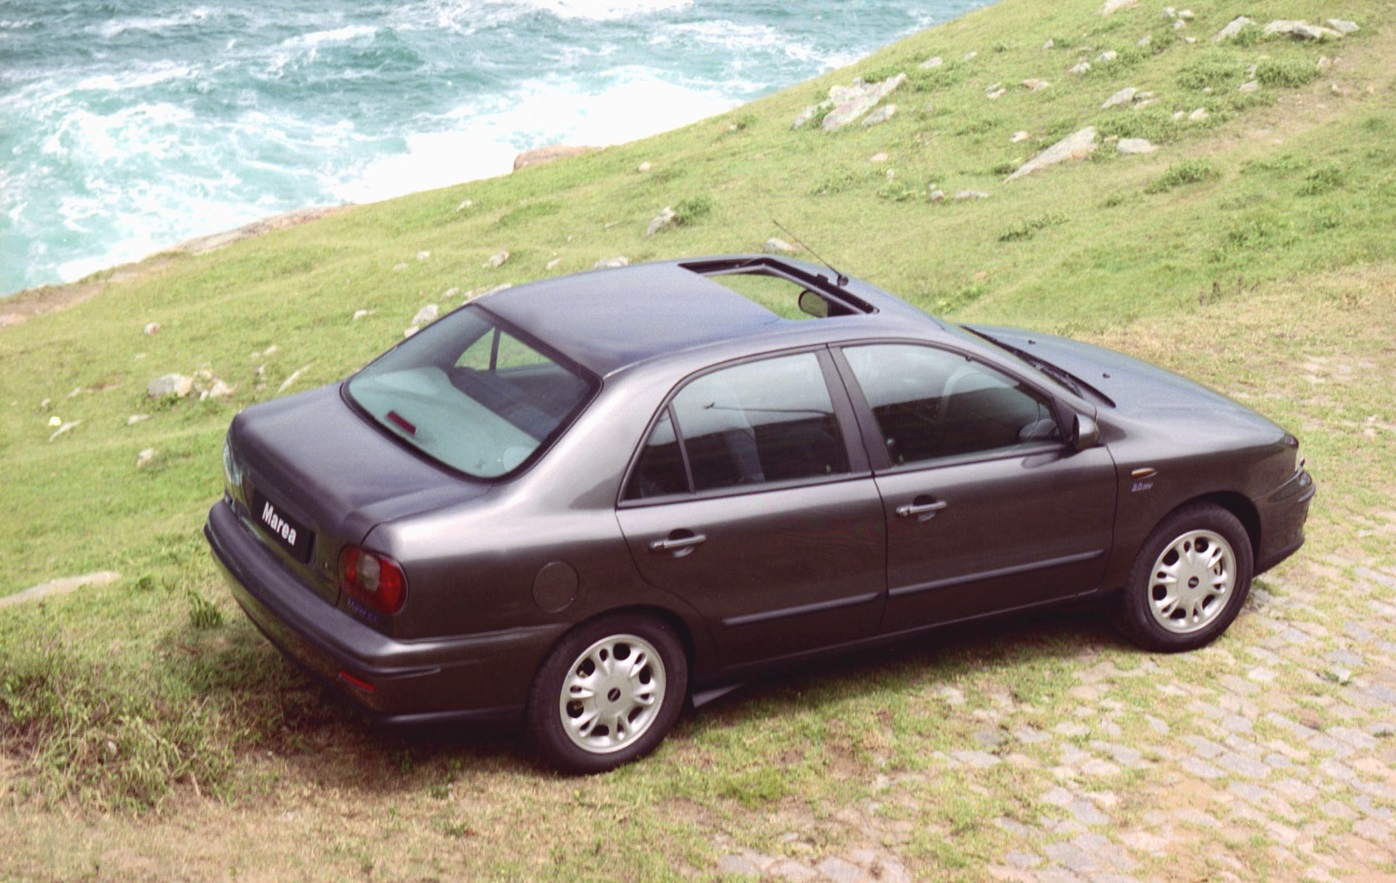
[[127, 126]]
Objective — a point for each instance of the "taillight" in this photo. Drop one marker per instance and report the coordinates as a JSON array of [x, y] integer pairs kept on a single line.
[[376, 580]]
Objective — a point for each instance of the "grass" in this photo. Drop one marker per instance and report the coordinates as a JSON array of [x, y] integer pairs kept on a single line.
[[1252, 252]]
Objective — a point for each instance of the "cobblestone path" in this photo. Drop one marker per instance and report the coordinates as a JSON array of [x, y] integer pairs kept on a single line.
[[1271, 754]]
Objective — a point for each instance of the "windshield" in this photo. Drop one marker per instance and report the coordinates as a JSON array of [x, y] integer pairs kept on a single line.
[[470, 394]]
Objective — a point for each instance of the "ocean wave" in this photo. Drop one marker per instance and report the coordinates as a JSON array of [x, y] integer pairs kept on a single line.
[[346, 34], [113, 28], [152, 75]]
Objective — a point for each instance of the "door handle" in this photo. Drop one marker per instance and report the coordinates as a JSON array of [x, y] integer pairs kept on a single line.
[[679, 543], [921, 511]]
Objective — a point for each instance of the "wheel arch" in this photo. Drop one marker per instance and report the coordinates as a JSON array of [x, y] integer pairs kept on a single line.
[[675, 621], [1239, 506]]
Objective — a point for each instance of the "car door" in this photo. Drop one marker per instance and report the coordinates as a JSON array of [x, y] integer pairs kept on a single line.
[[752, 500], [988, 508]]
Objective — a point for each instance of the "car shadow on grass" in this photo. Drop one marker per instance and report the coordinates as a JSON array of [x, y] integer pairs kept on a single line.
[[279, 711]]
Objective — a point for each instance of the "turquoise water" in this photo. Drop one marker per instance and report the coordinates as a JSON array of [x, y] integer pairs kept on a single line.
[[130, 125]]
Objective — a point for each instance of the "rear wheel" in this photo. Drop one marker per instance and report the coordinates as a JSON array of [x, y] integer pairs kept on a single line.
[[607, 694], [1189, 580]]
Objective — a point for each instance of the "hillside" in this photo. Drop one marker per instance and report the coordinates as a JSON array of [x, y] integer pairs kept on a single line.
[[146, 725]]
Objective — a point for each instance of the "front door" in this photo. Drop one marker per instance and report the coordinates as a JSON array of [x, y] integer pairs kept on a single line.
[[988, 508]]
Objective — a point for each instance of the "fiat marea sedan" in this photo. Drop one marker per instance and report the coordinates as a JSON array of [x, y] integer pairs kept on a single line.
[[583, 503]]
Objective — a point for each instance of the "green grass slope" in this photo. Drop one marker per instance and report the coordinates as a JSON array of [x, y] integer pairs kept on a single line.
[[1250, 239]]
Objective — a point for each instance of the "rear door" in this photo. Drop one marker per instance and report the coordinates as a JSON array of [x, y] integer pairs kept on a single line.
[[987, 507], [752, 500]]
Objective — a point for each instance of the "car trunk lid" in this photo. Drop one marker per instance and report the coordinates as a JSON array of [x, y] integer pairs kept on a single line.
[[315, 476]]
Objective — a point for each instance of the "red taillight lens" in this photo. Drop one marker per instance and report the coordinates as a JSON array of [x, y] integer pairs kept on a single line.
[[376, 580]]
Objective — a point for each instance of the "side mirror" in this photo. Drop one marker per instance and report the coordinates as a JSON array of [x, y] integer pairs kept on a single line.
[[1085, 433], [812, 304]]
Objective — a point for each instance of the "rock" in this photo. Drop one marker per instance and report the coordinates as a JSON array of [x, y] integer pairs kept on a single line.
[[1116, 5], [643, 167], [1050, 44], [937, 195], [881, 115], [552, 264], [1080, 68], [137, 418], [1301, 30], [612, 263], [398, 268], [426, 314], [476, 293], [55, 420], [970, 195], [805, 116], [1237, 25], [540, 155], [878, 158], [1020, 136], [465, 204], [1342, 26], [423, 255], [1120, 98], [1035, 85], [1073, 147], [151, 329], [295, 375], [1249, 86], [61, 587], [496, 260], [1135, 146], [997, 93], [778, 246], [359, 314], [852, 102], [662, 221], [1145, 41], [167, 385], [217, 390], [63, 429], [1198, 115], [931, 63], [409, 331], [144, 458], [1107, 56], [971, 56]]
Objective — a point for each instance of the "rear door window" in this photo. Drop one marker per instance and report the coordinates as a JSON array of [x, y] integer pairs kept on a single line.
[[753, 423]]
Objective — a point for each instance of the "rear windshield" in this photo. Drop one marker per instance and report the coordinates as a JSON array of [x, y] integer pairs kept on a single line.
[[472, 395]]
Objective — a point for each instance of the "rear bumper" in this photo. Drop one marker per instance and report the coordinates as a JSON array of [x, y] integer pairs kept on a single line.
[[482, 677], [1283, 513]]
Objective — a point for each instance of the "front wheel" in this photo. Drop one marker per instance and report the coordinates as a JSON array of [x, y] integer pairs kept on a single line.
[[607, 694], [1189, 580]]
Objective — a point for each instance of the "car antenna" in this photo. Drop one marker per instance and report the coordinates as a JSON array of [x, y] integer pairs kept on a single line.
[[839, 279]]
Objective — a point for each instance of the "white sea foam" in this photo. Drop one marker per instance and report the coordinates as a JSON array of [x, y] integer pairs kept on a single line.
[[113, 28], [346, 34], [482, 142], [607, 10]]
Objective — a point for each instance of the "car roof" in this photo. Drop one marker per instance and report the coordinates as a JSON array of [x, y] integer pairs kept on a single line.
[[606, 320]]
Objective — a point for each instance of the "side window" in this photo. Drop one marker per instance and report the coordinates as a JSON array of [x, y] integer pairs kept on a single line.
[[930, 403], [752, 423]]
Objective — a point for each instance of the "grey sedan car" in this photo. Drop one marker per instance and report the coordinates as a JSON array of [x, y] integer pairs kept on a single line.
[[582, 503]]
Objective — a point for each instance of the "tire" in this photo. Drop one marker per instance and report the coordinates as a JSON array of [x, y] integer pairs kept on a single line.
[[607, 694], [1189, 581]]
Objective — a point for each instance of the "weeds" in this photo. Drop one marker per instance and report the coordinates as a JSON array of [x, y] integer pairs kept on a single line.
[[1028, 229], [1189, 171]]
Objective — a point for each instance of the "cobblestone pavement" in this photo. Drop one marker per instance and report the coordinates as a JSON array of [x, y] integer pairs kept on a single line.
[[1271, 754]]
